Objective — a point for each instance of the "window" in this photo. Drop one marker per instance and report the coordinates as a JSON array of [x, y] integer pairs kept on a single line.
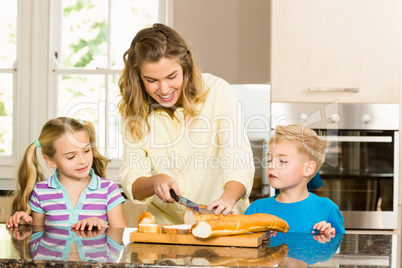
[[8, 57], [64, 58], [94, 36]]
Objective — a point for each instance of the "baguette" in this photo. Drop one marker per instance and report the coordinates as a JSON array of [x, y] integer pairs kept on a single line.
[[239, 224]]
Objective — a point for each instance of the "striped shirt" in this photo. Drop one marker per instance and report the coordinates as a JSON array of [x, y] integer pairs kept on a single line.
[[51, 197], [56, 244]]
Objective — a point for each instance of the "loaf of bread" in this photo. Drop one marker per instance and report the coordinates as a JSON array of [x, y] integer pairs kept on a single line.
[[192, 216], [239, 224]]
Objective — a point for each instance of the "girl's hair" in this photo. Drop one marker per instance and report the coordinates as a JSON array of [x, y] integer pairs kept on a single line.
[[149, 46], [307, 141], [30, 171]]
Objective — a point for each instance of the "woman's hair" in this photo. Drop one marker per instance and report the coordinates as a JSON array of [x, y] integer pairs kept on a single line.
[[149, 46], [30, 171], [307, 141]]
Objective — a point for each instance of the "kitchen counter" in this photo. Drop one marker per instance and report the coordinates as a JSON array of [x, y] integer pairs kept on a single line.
[[39, 246]]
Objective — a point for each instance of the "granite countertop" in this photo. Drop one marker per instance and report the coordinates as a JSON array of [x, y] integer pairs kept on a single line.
[[37, 246]]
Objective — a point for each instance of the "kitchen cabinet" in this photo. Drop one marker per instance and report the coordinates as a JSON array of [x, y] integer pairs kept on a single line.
[[335, 50]]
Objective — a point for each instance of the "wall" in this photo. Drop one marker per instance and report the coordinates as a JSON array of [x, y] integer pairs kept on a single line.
[[230, 38]]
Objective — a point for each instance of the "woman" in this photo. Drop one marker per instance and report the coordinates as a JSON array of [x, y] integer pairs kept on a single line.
[[181, 131]]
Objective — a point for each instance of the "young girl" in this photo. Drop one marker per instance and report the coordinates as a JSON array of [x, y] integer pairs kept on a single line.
[[77, 195]]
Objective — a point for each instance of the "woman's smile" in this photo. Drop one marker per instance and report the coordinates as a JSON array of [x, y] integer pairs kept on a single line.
[[163, 81]]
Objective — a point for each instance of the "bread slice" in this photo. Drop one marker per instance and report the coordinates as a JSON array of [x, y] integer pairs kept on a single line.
[[150, 228], [177, 229], [146, 217]]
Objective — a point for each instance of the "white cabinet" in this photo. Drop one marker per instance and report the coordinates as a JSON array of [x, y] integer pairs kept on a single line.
[[331, 45]]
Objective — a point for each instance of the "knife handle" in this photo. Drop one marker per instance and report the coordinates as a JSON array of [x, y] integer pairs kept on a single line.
[[174, 195]]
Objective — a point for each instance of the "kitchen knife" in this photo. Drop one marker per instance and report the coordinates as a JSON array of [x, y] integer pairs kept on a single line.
[[184, 201]]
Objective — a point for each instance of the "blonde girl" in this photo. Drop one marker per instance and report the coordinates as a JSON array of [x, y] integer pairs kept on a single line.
[[77, 195]]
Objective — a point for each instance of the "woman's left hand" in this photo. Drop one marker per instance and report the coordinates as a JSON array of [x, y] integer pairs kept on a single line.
[[90, 222], [222, 205], [225, 204]]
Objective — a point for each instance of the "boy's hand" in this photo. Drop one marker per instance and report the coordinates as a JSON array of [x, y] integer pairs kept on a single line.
[[324, 227], [323, 238], [19, 217], [91, 222]]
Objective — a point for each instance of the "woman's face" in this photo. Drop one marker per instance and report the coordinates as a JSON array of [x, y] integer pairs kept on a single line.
[[163, 80]]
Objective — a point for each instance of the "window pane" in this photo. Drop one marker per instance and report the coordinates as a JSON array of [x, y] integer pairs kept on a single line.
[[83, 97], [8, 33], [114, 147], [127, 18], [6, 114], [84, 37]]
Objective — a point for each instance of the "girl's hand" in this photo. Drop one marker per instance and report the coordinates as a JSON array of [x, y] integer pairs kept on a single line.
[[89, 234], [20, 233], [162, 185], [90, 222], [19, 217], [323, 227]]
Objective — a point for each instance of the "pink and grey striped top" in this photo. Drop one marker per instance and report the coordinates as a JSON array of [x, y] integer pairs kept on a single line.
[[50, 197]]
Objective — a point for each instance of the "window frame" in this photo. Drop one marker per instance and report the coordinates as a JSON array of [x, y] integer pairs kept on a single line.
[[35, 78]]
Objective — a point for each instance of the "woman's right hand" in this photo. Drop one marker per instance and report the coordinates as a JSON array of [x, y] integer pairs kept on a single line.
[[19, 217], [162, 185]]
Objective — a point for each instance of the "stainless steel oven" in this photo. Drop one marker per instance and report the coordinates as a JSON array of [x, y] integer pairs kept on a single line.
[[360, 172]]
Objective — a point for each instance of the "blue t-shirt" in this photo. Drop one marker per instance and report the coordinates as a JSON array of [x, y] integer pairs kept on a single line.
[[301, 216]]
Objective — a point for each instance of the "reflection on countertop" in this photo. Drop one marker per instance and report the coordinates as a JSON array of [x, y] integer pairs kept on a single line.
[[45, 246]]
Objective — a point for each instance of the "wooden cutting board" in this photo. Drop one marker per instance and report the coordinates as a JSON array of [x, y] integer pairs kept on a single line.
[[246, 240]]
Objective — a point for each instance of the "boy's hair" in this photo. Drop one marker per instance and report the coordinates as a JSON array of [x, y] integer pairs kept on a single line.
[[307, 141], [30, 171]]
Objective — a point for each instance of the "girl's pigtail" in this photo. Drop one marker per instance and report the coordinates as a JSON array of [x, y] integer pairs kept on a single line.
[[29, 172]]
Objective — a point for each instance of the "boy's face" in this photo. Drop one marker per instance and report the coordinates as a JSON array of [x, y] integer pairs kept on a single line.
[[286, 167]]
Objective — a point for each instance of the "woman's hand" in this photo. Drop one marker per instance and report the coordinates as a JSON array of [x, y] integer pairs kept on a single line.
[[159, 185], [19, 217], [162, 185], [222, 205], [324, 227], [90, 222], [225, 204]]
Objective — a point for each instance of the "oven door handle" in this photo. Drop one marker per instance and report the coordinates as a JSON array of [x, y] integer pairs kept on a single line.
[[357, 138]]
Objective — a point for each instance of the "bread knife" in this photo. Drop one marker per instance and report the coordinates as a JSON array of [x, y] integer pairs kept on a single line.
[[184, 201]]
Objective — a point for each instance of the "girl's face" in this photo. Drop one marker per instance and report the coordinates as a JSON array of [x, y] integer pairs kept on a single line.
[[73, 158], [163, 80], [286, 167]]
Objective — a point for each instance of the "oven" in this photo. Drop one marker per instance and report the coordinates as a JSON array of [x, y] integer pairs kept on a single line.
[[360, 172]]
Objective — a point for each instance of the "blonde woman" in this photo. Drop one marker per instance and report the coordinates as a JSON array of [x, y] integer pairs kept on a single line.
[[77, 195], [181, 129]]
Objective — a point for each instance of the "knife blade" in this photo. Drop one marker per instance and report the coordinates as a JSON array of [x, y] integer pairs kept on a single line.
[[184, 201]]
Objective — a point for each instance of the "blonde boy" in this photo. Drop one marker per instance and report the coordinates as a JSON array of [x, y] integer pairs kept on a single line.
[[295, 155]]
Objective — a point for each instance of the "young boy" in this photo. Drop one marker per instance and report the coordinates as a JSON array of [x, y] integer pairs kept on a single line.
[[295, 155]]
